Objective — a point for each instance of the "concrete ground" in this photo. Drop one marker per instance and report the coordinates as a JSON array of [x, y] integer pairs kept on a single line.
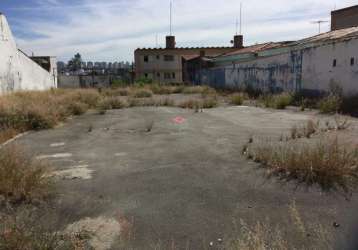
[[171, 177]]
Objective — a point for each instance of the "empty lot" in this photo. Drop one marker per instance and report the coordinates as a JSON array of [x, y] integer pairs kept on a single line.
[[177, 179]]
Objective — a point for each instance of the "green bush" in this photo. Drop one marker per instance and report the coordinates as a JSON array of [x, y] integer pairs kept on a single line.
[[237, 99], [330, 104], [280, 101], [142, 81]]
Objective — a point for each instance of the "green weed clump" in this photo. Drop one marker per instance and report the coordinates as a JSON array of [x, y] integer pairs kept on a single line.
[[237, 99], [280, 101], [330, 104]]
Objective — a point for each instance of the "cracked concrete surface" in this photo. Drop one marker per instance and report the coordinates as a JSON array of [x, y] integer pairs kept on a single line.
[[182, 182]]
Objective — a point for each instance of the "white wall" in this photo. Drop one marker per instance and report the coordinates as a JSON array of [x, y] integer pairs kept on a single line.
[[318, 71], [17, 71]]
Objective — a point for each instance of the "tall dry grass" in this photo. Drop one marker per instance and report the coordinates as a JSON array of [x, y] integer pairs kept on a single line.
[[22, 178], [267, 235], [327, 163]]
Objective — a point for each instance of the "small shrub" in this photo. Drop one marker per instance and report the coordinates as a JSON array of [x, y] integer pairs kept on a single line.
[[161, 89], [118, 92], [109, 103], [209, 93], [143, 93], [190, 104], [22, 178], [142, 81], [77, 108], [237, 99], [88, 96], [166, 102], [209, 103], [330, 104], [280, 101], [328, 164]]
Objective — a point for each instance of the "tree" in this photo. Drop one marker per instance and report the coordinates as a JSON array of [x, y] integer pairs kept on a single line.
[[75, 63]]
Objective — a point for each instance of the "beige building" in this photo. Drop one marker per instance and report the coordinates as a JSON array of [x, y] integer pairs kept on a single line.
[[165, 65]]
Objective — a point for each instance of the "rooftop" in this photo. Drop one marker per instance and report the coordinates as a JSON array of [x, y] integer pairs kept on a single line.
[[345, 9], [186, 48], [342, 34]]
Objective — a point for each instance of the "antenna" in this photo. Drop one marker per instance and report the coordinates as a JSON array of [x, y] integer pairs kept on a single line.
[[237, 25], [319, 22], [171, 7], [240, 18]]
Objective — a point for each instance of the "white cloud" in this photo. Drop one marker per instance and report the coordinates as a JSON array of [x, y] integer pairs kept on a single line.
[[112, 29]]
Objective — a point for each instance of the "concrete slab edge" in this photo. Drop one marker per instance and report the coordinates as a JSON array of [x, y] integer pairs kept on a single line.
[[13, 139]]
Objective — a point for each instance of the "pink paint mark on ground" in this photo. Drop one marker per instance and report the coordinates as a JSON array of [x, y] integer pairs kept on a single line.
[[179, 120]]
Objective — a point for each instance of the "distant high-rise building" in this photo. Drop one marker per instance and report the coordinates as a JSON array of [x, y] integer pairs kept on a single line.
[[97, 65], [90, 65]]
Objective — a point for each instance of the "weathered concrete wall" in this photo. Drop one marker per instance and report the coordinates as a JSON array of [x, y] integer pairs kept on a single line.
[[279, 72], [86, 81], [18, 71], [319, 73], [311, 68]]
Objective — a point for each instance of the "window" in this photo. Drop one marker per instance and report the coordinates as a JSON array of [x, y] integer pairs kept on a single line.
[[158, 75], [334, 62], [168, 58], [146, 58], [352, 61], [167, 75], [146, 75], [158, 57]]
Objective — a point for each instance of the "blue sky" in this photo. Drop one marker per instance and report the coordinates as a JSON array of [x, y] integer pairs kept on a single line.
[[110, 30]]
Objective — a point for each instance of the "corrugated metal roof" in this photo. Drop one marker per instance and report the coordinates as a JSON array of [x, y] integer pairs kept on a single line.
[[341, 34], [257, 47]]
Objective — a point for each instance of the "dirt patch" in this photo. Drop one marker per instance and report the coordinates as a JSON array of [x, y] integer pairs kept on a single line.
[[103, 231], [76, 172]]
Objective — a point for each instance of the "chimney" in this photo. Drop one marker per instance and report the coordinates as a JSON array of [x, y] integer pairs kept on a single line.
[[170, 42], [238, 41]]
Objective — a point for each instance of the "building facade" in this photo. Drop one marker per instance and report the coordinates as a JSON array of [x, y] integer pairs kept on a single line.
[[166, 65], [314, 65]]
